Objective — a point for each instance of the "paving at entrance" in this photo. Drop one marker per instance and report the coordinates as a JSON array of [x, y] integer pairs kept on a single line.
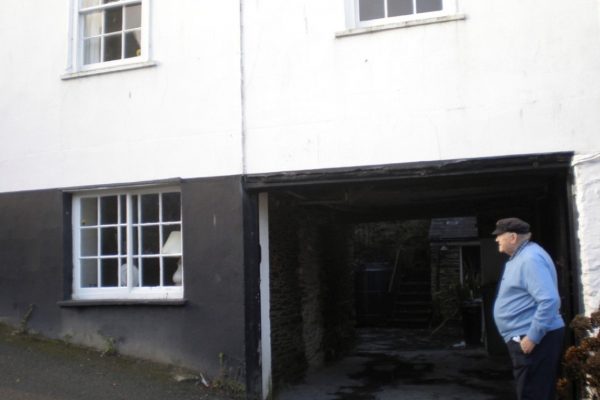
[[401, 365]]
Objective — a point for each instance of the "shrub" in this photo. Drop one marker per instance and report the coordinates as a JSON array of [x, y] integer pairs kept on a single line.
[[581, 362]]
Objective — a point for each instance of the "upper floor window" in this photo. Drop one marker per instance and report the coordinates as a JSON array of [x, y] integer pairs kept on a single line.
[[127, 245], [377, 12], [110, 33]]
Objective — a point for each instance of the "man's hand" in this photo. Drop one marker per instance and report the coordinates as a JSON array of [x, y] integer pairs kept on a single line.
[[527, 345]]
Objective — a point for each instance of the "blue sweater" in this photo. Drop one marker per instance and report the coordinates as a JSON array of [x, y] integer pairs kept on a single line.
[[528, 302]]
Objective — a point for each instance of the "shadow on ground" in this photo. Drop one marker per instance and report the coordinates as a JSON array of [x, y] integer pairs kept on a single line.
[[408, 365]]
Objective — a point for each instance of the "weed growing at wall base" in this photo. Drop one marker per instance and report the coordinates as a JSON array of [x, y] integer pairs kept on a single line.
[[228, 379], [23, 324]]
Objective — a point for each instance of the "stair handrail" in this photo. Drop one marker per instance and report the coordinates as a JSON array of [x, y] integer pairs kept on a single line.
[[394, 271]]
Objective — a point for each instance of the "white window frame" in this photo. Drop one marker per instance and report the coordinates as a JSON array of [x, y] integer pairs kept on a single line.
[[449, 7], [76, 52], [128, 292]]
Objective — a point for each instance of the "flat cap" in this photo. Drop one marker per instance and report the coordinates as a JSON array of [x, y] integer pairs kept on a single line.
[[515, 225]]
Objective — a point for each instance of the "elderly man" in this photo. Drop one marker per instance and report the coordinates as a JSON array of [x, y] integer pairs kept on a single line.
[[526, 311]]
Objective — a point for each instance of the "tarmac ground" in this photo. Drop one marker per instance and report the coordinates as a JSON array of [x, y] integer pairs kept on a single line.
[[35, 368], [387, 364]]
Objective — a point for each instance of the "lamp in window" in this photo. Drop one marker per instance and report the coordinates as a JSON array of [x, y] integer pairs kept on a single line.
[[173, 246]]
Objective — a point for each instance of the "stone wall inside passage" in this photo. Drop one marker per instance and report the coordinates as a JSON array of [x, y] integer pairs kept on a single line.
[[312, 303]]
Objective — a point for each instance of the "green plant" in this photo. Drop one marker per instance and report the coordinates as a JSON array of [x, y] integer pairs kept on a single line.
[[581, 362], [226, 380], [469, 290], [445, 303], [23, 329], [110, 346]]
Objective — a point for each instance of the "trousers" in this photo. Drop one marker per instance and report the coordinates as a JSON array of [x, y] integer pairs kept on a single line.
[[535, 373]]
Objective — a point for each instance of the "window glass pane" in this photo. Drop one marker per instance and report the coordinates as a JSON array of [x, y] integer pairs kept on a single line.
[[371, 9], [134, 209], [108, 210], [135, 275], [108, 244], [150, 272], [123, 241], [89, 273], [133, 16], [399, 7], [123, 208], [92, 24], [133, 47], [89, 211], [91, 51], [113, 20], [109, 269], [89, 242], [150, 240], [122, 272], [428, 5], [150, 208], [109, 1], [134, 240], [89, 3], [112, 47], [170, 265], [104, 238], [172, 239], [137, 271], [171, 207]]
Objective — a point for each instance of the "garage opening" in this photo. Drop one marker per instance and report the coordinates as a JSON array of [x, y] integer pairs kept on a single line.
[[375, 263]]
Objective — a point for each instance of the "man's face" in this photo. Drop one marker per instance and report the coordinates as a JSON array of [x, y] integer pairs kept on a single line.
[[507, 242]]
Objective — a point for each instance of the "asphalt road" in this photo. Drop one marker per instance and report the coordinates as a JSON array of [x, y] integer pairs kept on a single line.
[[33, 368]]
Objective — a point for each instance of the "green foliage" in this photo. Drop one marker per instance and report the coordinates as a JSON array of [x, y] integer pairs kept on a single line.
[[388, 241], [227, 381], [445, 304], [110, 346], [23, 324], [469, 290], [447, 301]]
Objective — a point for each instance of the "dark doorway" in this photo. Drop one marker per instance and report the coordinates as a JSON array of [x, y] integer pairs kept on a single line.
[[344, 244]]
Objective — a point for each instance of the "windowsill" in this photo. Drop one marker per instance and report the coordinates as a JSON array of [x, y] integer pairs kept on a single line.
[[103, 303], [399, 25], [107, 70]]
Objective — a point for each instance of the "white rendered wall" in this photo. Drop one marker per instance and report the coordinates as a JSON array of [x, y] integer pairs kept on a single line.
[[587, 197], [178, 119], [514, 77]]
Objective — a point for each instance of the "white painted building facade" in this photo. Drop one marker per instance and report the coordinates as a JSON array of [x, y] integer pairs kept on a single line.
[[241, 88], [317, 93], [486, 80], [176, 115]]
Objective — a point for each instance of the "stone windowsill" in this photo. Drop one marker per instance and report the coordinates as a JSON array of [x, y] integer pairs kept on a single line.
[[103, 303], [400, 25], [108, 70]]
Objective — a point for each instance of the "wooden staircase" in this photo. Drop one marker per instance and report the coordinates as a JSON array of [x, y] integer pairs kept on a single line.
[[411, 299]]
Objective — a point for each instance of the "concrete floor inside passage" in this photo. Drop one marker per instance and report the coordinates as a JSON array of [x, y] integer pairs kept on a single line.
[[402, 364]]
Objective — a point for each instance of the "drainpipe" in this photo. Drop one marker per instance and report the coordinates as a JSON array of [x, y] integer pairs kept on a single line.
[[252, 310], [242, 91]]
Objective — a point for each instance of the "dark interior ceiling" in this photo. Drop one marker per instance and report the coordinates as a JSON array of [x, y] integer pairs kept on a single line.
[[424, 190], [427, 197]]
